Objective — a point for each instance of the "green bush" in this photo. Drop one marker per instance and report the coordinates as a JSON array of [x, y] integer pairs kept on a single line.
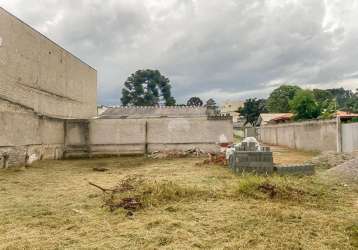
[[304, 105]]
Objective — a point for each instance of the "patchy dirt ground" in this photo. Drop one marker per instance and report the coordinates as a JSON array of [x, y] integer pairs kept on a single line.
[[182, 206], [284, 155]]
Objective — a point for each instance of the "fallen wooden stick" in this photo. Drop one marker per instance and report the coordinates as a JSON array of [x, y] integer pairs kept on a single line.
[[101, 188]]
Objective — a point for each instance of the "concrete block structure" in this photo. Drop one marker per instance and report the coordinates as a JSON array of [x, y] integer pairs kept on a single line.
[[252, 162], [261, 162], [295, 169]]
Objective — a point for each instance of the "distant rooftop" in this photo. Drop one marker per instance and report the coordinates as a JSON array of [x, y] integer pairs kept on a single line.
[[152, 112], [267, 117], [344, 114], [231, 106]]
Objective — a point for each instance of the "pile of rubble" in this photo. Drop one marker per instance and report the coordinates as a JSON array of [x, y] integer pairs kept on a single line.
[[193, 152], [330, 159], [347, 171], [214, 159]]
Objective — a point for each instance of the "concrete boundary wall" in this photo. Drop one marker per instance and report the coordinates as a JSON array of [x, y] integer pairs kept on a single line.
[[309, 135], [26, 136], [140, 136]]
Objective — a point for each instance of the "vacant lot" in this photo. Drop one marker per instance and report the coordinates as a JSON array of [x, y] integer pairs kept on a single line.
[[183, 206]]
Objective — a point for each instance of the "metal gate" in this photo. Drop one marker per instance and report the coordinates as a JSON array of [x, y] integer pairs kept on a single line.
[[349, 137]]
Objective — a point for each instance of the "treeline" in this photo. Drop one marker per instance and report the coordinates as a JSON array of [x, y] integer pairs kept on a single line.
[[303, 103]]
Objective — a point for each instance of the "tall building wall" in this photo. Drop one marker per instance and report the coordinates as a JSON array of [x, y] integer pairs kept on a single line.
[[38, 74], [41, 85]]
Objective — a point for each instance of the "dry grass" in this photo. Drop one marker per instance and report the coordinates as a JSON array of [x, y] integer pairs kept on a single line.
[[289, 156], [52, 206]]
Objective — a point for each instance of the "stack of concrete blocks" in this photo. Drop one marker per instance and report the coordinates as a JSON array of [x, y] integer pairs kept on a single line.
[[252, 158], [248, 158], [296, 169]]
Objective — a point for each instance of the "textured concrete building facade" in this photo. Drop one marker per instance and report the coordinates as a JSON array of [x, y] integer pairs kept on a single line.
[[39, 75], [41, 85]]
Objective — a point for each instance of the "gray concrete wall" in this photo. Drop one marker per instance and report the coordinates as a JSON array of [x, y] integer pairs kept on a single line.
[[349, 137], [24, 134], [310, 135], [138, 136], [40, 85], [38, 74], [170, 133], [117, 136]]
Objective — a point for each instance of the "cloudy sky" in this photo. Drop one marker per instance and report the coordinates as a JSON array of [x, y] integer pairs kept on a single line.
[[226, 49]]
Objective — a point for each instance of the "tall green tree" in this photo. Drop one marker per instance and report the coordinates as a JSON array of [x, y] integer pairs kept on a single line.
[[252, 109], [342, 96], [352, 103], [326, 102], [195, 101], [322, 95], [279, 99], [147, 88], [346, 99], [304, 106]]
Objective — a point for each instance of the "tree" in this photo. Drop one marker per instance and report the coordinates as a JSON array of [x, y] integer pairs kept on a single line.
[[211, 102], [325, 101], [347, 100], [342, 96], [304, 105], [252, 110], [212, 108], [352, 104], [279, 99], [195, 101], [147, 88], [322, 96]]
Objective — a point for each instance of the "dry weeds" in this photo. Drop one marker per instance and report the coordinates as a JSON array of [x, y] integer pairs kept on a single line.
[[52, 206]]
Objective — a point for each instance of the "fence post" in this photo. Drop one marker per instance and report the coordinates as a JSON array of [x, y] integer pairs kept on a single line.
[[339, 134], [146, 138]]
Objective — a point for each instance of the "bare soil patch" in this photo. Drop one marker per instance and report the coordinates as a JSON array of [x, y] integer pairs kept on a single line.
[[284, 155]]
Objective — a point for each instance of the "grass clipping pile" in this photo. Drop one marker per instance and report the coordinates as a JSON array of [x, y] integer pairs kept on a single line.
[[134, 193]]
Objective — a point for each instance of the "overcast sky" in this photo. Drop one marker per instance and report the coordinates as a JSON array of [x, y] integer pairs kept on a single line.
[[225, 49]]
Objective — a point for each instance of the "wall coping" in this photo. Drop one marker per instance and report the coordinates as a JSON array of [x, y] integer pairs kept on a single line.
[[302, 123]]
